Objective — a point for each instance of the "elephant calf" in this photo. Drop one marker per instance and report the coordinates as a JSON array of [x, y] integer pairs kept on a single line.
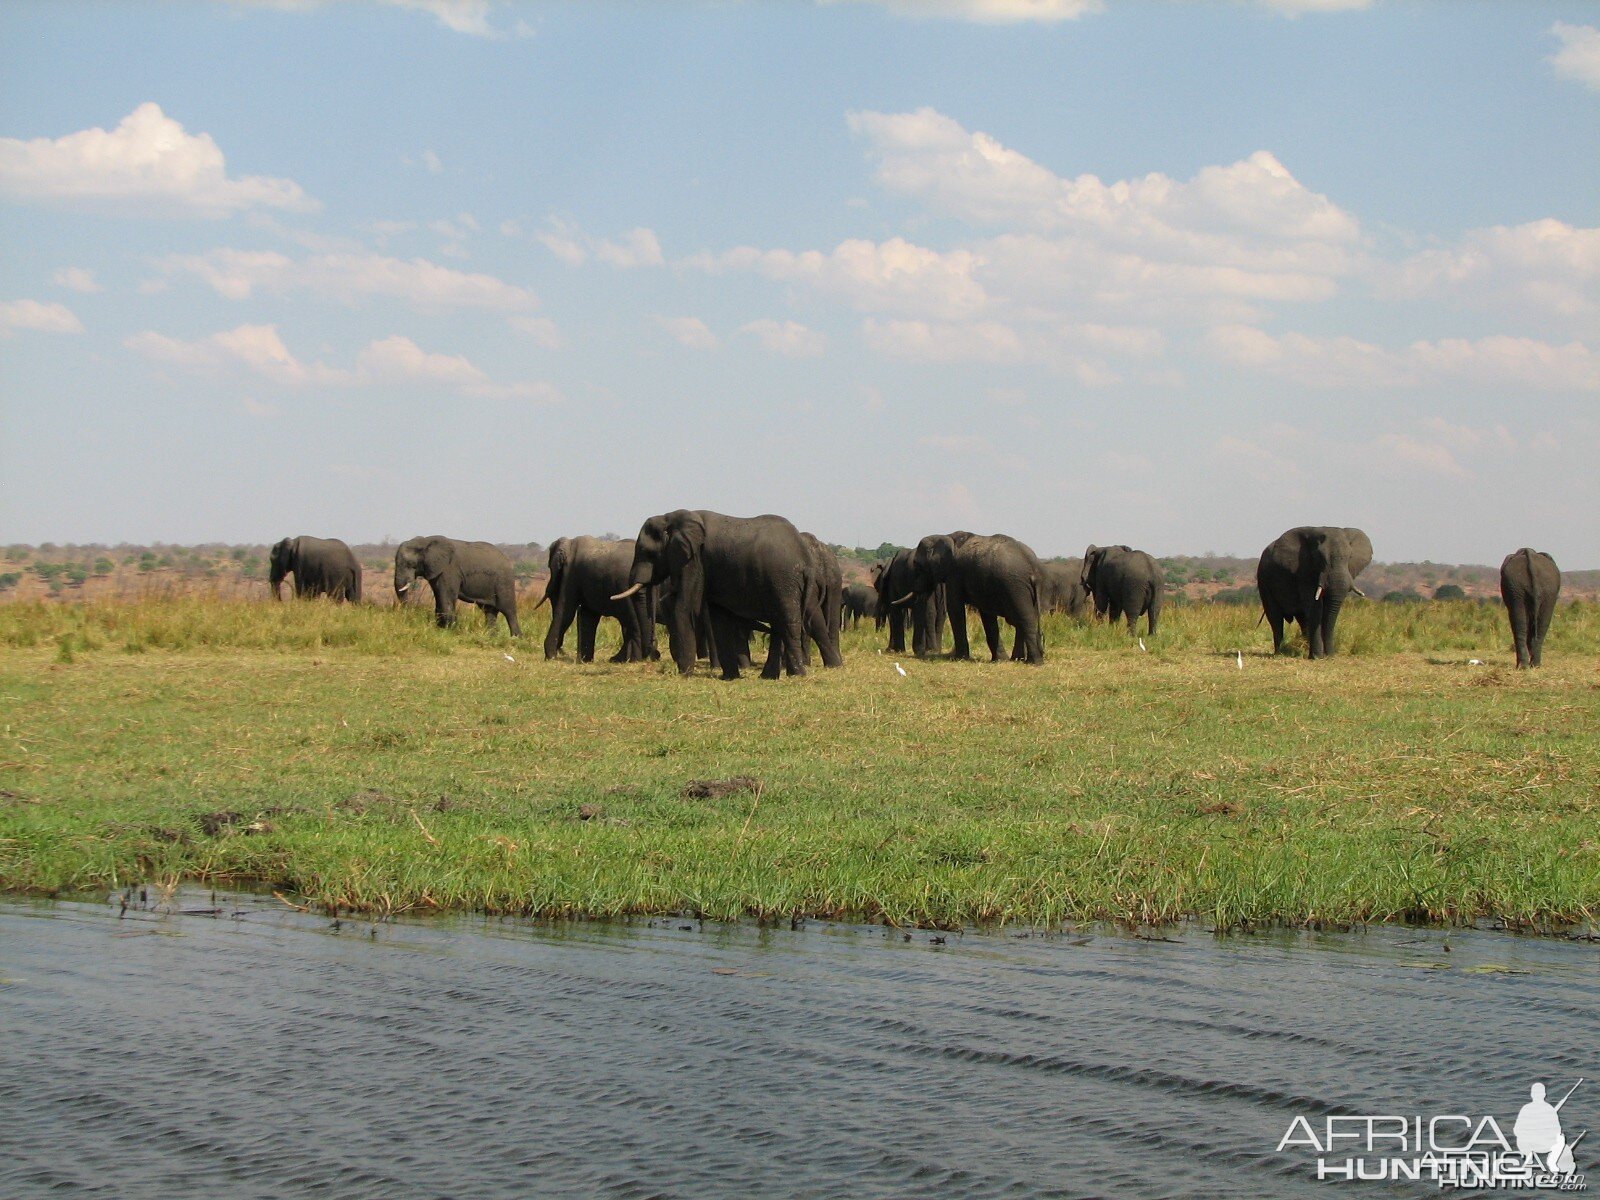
[[476, 572], [1530, 581]]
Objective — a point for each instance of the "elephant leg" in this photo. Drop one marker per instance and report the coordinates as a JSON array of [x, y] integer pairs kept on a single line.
[[991, 633], [730, 635], [1276, 621], [588, 622], [826, 634], [1541, 626], [897, 632], [629, 651], [1312, 627], [790, 630], [560, 621], [490, 616], [955, 599], [444, 605], [1521, 617]]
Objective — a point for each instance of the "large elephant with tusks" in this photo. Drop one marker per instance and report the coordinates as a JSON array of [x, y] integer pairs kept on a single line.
[[1305, 576], [739, 573]]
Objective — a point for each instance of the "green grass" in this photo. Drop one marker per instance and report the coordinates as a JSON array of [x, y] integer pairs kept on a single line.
[[374, 763]]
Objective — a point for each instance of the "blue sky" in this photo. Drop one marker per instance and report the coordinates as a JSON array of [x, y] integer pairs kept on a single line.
[[1176, 274]]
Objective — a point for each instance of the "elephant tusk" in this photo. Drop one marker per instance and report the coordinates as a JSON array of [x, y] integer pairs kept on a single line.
[[906, 599], [1320, 590], [624, 595], [1358, 592], [402, 589], [542, 599]]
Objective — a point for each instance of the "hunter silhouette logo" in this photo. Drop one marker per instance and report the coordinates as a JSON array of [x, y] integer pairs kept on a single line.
[[1449, 1150], [1538, 1131]]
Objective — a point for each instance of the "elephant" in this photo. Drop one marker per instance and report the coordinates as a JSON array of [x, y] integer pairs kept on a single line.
[[1530, 581], [584, 574], [320, 566], [1124, 582], [740, 573], [476, 572], [858, 600], [1306, 575], [1064, 591], [998, 575], [928, 612]]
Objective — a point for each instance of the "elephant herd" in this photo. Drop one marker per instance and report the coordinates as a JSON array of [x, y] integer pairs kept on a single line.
[[713, 580]]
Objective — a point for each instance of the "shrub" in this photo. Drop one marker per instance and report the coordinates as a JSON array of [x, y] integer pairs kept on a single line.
[[1449, 591]]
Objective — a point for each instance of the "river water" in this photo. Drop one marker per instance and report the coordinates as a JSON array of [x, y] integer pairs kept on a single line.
[[261, 1052]]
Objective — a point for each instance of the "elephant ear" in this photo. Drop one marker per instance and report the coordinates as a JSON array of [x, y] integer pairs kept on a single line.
[[437, 555], [686, 540], [556, 556], [1091, 560]]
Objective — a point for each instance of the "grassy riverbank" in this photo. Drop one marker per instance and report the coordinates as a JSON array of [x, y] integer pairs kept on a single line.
[[361, 758]]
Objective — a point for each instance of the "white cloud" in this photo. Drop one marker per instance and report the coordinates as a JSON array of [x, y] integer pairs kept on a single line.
[[349, 277], [788, 338], [892, 276], [987, 12], [1548, 265], [1294, 8], [636, 248], [541, 331], [38, 316], [430, 160], [147, 165], [973, 176], [1213, 248], [944, 342], [259, 408], [1579, 56], [76, 279], [259, 350], [1331, 362], [1412, 454], [691, 332], [461, 16]]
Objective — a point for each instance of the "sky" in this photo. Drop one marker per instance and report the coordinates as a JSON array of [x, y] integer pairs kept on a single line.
[[1176, 274]]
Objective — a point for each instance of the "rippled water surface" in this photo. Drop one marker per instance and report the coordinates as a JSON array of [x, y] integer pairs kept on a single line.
[[262, 1052]]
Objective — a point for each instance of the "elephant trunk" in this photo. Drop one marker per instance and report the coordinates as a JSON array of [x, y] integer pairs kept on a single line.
[[276, 580], [403, 580], [1333, 595]]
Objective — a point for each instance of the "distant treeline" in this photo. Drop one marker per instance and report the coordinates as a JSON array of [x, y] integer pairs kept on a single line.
[[1222, 578]]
